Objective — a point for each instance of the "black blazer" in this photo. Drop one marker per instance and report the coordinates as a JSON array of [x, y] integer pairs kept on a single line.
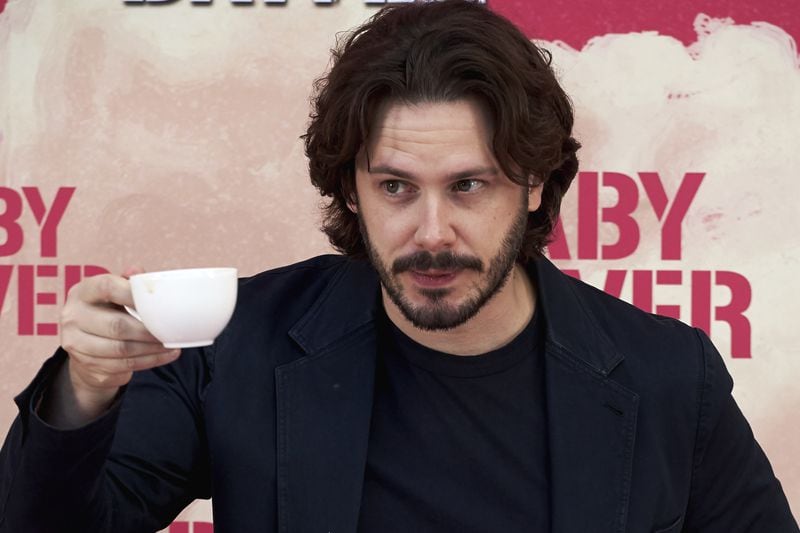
[[273, 422]]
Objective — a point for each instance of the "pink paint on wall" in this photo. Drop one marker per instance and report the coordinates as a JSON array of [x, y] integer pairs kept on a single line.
[[580, 20]]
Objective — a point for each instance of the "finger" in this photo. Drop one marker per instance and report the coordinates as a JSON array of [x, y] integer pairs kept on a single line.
[[99, 366], [111, 323], [132, 270], [96, 378], [104, 348], [106, 288]]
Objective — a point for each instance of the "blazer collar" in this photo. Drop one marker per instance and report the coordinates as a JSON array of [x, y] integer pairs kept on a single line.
[[571, 326], [349, 302]]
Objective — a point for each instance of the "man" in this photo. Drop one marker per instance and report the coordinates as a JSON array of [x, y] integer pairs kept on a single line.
[[440, 375]]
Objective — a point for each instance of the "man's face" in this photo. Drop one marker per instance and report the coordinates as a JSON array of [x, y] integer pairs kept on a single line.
[[442, 224]]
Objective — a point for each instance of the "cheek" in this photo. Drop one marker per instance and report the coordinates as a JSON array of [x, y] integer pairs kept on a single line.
[[386, 231], [483, 235], [399, 235]]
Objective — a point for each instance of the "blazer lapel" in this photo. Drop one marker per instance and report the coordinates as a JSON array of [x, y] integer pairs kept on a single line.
[[324, 409], [592, 424], [591, 418]]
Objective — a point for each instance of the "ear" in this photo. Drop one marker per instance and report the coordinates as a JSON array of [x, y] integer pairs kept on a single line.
[[361, 164], [352, 202], [535, 197]]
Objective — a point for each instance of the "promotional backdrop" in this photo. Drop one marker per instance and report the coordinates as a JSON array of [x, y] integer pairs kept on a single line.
[[166, 134]]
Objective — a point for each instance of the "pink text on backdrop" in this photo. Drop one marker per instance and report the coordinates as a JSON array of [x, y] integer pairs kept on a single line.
[[47, 218], [29, 297], [703, 308], [191, 527], [670, 213]]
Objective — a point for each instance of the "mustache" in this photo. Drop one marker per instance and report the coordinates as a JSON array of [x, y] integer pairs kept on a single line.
[[446, 260]]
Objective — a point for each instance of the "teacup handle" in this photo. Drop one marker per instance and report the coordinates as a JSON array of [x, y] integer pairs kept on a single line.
[[133, 313]]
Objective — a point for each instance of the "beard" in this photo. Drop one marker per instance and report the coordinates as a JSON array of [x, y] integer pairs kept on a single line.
[[436, 313]]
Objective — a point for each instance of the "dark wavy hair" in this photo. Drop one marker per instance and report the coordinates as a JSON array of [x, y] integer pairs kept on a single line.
[[441, 52]]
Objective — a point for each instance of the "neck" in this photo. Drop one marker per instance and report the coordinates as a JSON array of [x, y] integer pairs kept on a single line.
[[496, 324]]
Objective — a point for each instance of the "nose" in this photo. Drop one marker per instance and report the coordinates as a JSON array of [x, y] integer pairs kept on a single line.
[[435, 230]]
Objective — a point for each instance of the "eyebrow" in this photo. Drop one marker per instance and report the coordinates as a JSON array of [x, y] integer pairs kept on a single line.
[[463, 174]]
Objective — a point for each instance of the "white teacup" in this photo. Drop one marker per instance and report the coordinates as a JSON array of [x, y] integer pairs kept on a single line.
[[185, 308]]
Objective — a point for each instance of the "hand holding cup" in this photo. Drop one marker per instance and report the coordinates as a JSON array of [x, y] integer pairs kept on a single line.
[[106, 345]]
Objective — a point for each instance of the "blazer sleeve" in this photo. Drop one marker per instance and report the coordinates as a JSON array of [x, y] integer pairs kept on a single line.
[[131, 470], [734, 489]]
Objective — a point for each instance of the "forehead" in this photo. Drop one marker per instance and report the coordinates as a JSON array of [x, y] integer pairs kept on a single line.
[[428, 133]]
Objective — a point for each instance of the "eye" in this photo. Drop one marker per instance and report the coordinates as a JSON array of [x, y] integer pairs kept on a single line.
[[468, 185], [394, 187]]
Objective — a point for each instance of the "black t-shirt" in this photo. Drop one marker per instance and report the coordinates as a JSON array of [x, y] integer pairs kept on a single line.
[[457, 443]]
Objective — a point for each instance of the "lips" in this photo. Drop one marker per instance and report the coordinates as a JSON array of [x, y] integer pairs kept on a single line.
[[433, 278]]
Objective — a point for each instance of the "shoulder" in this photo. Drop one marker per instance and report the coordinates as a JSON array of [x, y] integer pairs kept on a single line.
[[320, 268], [288, 288], [270, 303], [660, 355], [633, 330], [674, 369]]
